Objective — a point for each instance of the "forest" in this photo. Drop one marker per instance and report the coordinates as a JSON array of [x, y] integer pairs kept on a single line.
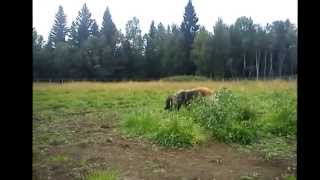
[[87, 51]]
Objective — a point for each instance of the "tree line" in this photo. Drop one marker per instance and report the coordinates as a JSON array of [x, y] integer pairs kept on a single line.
[[240, 50]]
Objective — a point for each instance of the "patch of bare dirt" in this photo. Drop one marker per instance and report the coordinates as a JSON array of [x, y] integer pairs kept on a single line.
[[139, 159]]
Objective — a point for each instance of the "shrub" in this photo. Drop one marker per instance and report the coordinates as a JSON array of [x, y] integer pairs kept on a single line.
[[169, 129], [179, 131], [228, 117]]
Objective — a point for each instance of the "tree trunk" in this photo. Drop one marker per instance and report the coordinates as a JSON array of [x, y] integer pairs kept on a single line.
[[244, 64], [257, 63], [281, 59], [271, 71], [265, 64], [232, 75], [258, 74], [292, 68]]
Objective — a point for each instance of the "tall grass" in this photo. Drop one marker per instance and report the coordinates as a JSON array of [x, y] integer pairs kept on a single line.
[[231, 117], [281, 119], [179, 130], [165, 128], [141, 123]]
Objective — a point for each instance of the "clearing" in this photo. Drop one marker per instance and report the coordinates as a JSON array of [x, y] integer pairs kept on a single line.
[[76, 129]]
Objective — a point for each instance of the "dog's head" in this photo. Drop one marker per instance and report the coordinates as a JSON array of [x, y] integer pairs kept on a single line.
[[169, 103]]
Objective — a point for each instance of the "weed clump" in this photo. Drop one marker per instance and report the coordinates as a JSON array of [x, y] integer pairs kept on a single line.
[[169, 129], [281, 119], [228, 117], [102, 175]]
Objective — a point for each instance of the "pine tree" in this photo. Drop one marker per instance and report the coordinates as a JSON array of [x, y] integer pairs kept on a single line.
[[73, 35], [108, 29], [81, 28], [59, 30], [200, 51], [189, 28], [94, 29], [134, 38], [152, 57], [221, 46]]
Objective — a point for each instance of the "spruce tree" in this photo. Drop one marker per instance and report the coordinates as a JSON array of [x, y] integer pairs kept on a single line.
[[189, 28], [59, 30]]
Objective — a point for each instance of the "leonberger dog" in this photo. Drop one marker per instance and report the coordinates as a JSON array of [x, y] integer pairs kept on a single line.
[[184, 97]]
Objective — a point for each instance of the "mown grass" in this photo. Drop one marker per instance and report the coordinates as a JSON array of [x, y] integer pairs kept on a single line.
[[246, 112]]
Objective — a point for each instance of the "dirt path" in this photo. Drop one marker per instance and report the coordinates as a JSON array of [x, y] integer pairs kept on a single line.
[[138, 160]]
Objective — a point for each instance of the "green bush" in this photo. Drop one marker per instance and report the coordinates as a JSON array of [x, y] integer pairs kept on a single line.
[[234, 117], [174, 135], [179, 130], [168, 129], [229, 117]]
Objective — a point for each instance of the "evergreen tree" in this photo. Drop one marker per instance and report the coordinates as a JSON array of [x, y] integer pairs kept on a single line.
[[152, 53], [59, 30], [81, 28], [174, 53], [37, 44], [221, 48], [73, 35], [134, 39], [201, 51], [94, 29], [189, 28], [108, 29], [243, 49]]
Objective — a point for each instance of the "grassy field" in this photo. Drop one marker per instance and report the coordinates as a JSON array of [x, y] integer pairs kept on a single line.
[[73, 122]]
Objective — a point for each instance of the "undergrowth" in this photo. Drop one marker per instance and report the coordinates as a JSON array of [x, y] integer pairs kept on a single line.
[[166, 128], [230, 116]]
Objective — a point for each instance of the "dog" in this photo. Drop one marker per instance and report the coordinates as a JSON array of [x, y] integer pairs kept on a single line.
[[184, 97]]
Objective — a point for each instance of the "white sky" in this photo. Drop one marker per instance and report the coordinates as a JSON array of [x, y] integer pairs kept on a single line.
[[165, 11]]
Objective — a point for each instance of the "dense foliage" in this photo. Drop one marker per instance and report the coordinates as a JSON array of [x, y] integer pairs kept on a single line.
[[240, 50]]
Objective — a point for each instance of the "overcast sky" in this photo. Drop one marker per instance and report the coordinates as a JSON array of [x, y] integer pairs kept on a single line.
[[165, 11]]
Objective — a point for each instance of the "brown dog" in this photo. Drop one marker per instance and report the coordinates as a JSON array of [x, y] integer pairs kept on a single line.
[[184, 97]]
